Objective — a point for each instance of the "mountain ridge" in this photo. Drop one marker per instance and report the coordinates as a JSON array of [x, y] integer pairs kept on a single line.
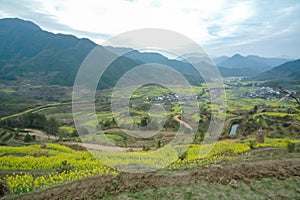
[[25, 48], [27, 51], [289, 71]]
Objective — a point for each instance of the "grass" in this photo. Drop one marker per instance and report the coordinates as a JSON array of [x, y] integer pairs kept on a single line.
[[34, 158], [102, 139], [68, 129], [275, 142], [236, 100], [268, 188], [92, 123], [274, 114]]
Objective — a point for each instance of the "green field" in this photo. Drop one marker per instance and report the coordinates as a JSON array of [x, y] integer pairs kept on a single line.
[[27, 167], [59, 164]]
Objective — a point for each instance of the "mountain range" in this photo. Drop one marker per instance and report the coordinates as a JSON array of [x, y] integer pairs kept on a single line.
[[250, 65], [289, 71], [28, 52]]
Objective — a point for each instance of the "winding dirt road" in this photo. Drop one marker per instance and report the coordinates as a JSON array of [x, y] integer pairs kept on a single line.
[[89, 146], [101, 147], [186, 125], [39, 134]]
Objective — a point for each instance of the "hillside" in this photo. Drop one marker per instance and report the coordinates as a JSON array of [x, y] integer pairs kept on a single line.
[[273, 62], [215, 182], [240, 62], [289, 71], [28, 52], [250, 65], [40, 57], [230, 72]]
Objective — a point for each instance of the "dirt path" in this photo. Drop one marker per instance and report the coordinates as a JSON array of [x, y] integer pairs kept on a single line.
[[186, 125], [101, 147], [228, 140], [90, 146], [34, 109], [100, 186], [39, 134]]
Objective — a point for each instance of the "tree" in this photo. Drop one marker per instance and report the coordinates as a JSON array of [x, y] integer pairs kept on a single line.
[[107, 123], [158, 144], [113, 121], [51, 126], [74, 133], [289, 94], [27, 138], [199, 136], [34, 120], [144, 121]]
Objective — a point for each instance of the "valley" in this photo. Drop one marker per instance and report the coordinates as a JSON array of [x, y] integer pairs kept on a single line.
[[279, 121], [234, 138]]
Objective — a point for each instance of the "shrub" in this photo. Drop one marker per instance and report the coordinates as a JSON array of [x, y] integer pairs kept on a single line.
[[291, 146], [27, 138], [183, 155], [146, 148], [158, 144], [252, 144], [65, 167], [4, 189]]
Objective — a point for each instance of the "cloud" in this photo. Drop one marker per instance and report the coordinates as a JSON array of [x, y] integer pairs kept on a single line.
[[221, 26], [269, 31], [33, 10]]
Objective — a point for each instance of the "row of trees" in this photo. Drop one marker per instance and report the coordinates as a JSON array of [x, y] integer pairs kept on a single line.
[[32, 120]]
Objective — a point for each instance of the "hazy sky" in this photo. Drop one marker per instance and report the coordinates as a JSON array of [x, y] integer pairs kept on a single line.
[[221, 27]]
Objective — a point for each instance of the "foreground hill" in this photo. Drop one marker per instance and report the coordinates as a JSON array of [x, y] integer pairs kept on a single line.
[[289, 71], [265, 179]]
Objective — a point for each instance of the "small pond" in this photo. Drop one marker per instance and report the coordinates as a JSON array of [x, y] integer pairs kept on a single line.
[[233, 129]]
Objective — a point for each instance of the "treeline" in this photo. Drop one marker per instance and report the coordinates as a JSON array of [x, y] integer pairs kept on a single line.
[[32, 120]]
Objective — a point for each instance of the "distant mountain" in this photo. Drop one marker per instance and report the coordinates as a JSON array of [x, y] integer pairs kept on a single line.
[[241, 72], [289, 71], [247, 66], [195, 58], [28, 52], [237, 62], [269, 61], [150, 57], [220, 59]]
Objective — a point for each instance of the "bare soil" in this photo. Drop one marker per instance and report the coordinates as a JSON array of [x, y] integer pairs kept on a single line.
[[186, 125], [100, 186], [44, 137]]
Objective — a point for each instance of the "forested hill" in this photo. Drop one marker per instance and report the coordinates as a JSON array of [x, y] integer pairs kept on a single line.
[[28, 52], [289, 71]]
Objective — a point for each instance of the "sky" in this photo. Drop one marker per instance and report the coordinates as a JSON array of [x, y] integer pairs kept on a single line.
[[269, 28]]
